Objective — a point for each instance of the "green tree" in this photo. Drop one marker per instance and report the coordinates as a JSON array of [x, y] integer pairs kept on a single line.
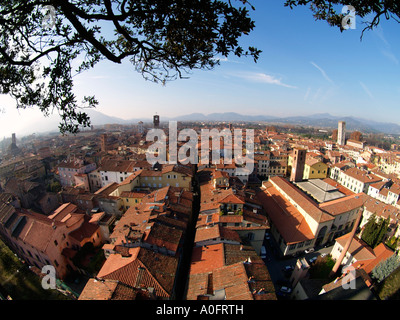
[[164, 40], [331, 10], [375, 231], [55, 187], [385, 268], [356, 135], [383, 228], [369, 231]]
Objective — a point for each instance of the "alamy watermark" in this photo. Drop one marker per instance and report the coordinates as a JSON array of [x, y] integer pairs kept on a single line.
[[49, 280], [349, 20], [349, 279], [189, 152], [49, 19]]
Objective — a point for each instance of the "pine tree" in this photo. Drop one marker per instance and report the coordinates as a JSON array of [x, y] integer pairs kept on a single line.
[[375, 231], [369, 230], [382, 229], [385, 268]]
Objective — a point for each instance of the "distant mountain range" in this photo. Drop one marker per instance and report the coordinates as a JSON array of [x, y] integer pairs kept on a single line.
[[320, 120]]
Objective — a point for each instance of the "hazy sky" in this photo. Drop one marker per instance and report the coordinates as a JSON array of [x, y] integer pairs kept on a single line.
[[306, 67]]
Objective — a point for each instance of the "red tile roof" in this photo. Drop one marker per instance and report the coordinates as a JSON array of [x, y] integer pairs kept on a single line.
[[301, 199], [214, 232], [142, 268], [207, 258], [337, 185], [284, 216], [117, 165], [362, 176], [164, 236], [96, 289], [367, 258], [345, 204]]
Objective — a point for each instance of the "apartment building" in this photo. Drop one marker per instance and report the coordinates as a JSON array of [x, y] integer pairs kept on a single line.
[[357, 180], [68, 169], [298, 223], [336, 168], [385, 191], [168, 175], [115, 171], [42, 240]]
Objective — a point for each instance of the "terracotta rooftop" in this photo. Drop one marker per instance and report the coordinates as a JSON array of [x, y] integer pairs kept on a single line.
[[337, 185], [241, 276], [164, 236], [207, 258], [345, 204], [362, 176], [108, 189], [72, 164], [142, 268], [216, 231], [132, 177], [381, 209], [211, 199], [85, 230], [288, 190], [63, 211], [286, 218], [358, 248], [133, 194], [367, 258], [118, 165], [111, 290]]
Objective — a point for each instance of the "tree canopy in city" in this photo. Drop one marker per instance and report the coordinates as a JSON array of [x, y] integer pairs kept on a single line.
[[42, 41]]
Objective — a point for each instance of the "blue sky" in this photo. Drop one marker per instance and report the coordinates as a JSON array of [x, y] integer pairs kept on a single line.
[[306, 67]]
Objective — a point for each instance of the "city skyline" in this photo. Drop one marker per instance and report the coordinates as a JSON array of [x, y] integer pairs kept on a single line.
[[306, 67]]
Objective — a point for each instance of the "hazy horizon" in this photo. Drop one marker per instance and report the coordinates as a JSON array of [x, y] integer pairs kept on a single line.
[[306, 68]]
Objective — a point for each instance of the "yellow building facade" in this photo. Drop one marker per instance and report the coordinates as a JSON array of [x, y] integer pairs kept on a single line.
[[315, 169]]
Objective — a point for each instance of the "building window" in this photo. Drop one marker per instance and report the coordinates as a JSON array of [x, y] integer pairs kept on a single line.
[[55, 242], [308, 242]]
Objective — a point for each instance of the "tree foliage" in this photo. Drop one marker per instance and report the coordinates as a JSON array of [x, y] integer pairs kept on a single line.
[[356, 135], [375, 231], [334, 134], [385, 268], [331, 10], [41, 40]]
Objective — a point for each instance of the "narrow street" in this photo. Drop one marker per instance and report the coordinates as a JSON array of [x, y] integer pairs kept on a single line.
[[277, 264], [186, 253]]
